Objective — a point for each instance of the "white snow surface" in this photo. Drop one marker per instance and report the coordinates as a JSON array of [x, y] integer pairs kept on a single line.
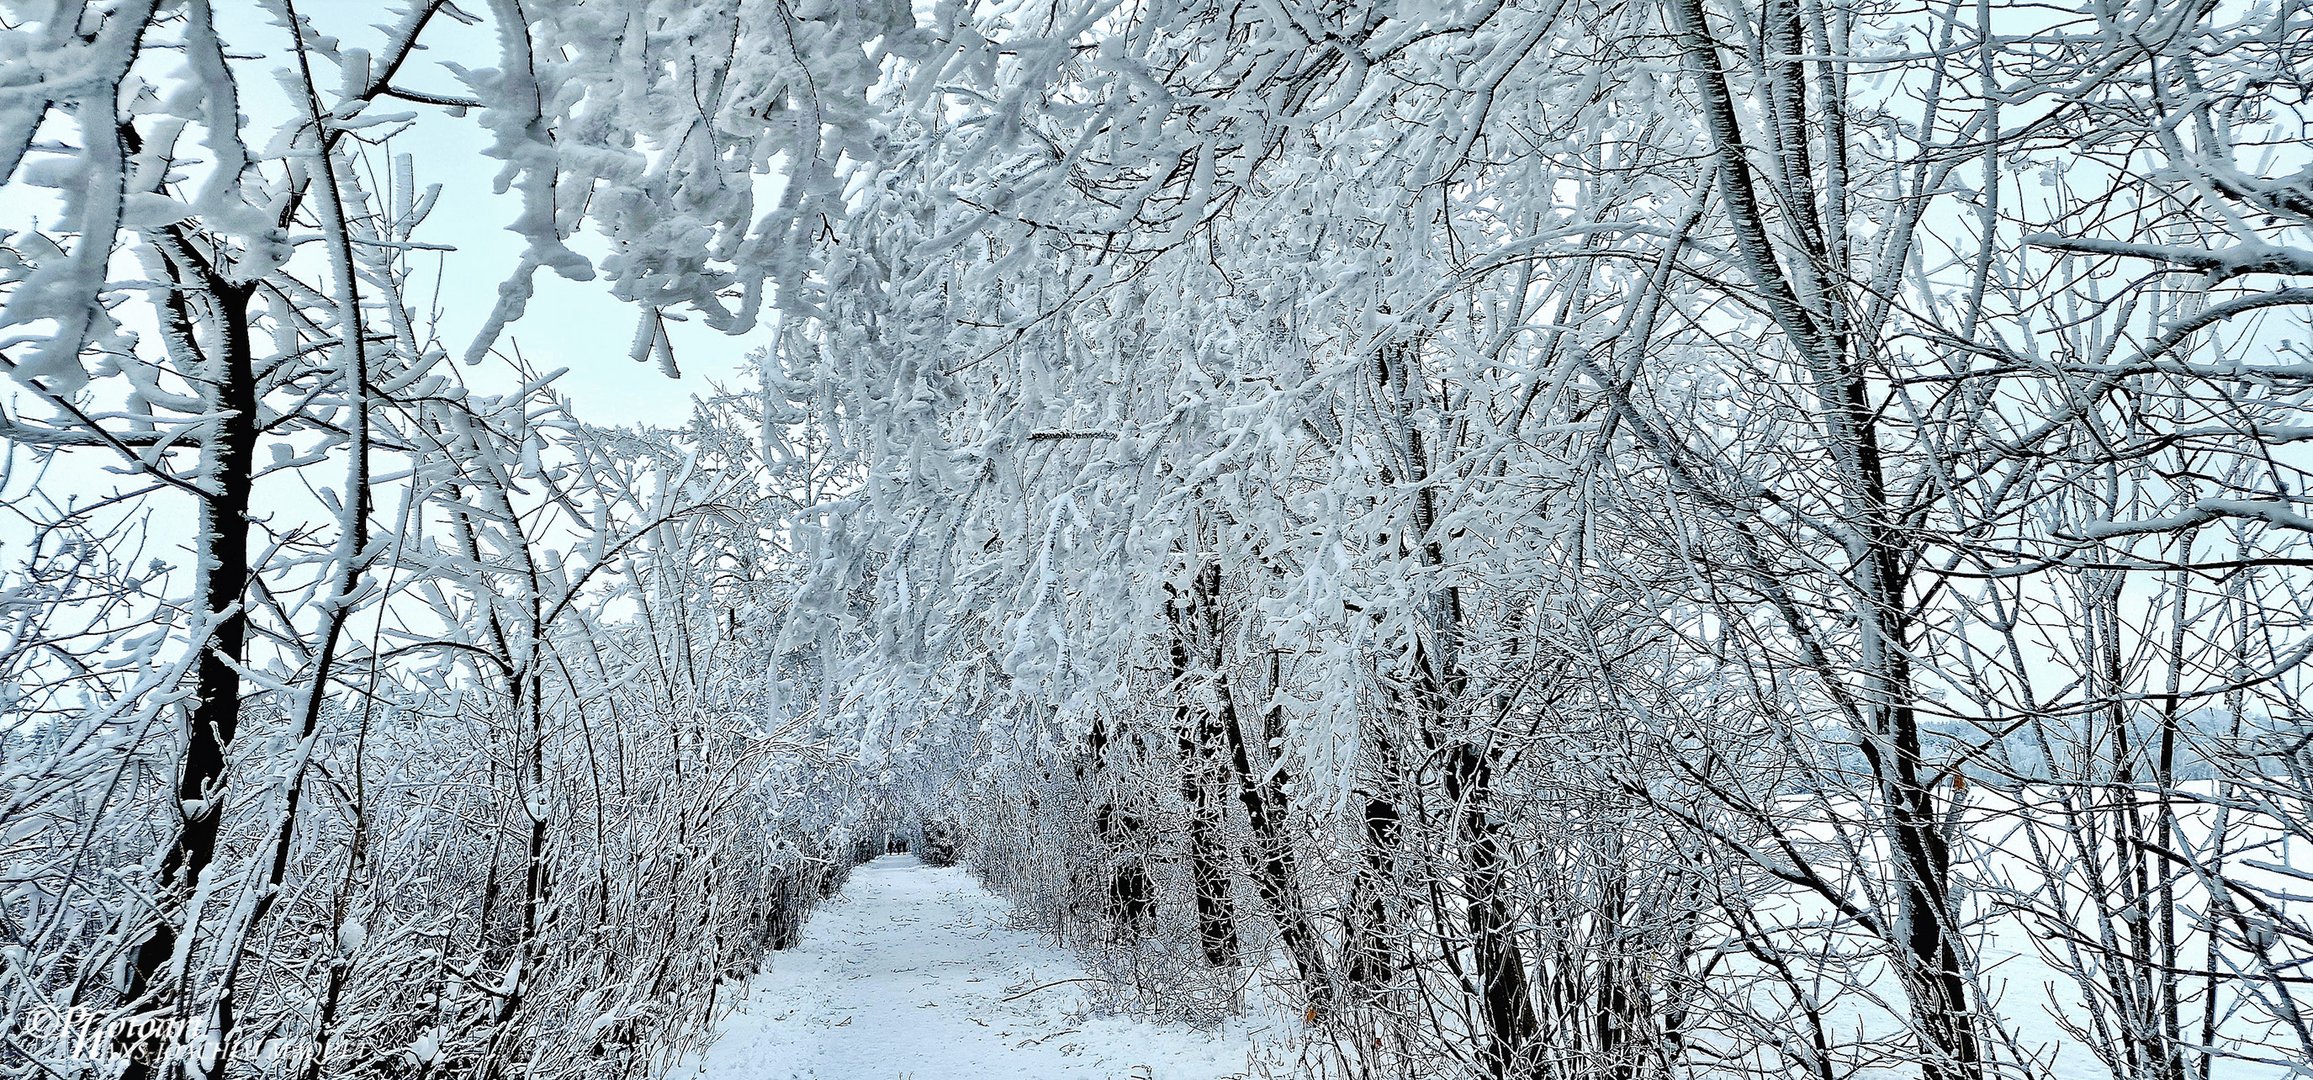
[[904, 976]]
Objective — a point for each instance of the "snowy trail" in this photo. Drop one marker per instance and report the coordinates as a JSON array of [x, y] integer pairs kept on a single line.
[[904, 976]]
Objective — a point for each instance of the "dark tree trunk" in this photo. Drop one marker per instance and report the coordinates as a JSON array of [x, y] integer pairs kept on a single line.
[[214, 714], [1506, 999], [1199, 730], [1270, 858], [1876, 692], [1371, 962], [1130, 901]]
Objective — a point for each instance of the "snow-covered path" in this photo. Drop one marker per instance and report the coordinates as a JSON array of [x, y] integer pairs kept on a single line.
[[904, 976]]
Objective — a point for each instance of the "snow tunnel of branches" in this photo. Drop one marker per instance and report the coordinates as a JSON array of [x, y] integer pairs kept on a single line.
[[1571, 539]]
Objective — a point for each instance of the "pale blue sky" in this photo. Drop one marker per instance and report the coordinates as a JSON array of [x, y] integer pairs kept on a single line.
[[574, 325]]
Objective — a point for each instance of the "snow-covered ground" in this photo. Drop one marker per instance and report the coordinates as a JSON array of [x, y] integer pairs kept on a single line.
[[912, 974]]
